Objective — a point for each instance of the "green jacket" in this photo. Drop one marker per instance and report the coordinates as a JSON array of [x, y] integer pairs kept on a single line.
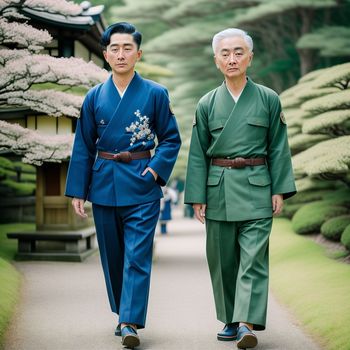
[[254, 127]]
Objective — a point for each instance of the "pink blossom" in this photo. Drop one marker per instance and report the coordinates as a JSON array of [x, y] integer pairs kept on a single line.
[[51, 102], [21, 70], [35, 147], [23, 35], [67, 8]]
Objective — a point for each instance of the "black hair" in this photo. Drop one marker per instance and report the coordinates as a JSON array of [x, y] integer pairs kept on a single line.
[[120, 27]]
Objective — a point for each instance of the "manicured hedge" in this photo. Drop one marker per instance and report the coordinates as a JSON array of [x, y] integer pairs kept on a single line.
[[17, 188], [340, 197], [6, 163], [333, 228], [345, 237], [290, 209], [310, 217], [25, 167], [307, 196]]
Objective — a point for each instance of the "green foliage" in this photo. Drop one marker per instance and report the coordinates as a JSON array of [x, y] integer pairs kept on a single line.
[[8, 178], [17, 188], [307, 196], [345, 237], [333, 228], [312, 184], [9, 276], [332, 41], [295, 117], [334, 77], [337, 100], [301, 142], [309, 77], [290, 209], [313, 286], [9, 292], [333, 123], [6, 163], [152, 71], [327, 157], [26, 168], [310, 217], [338, 197]]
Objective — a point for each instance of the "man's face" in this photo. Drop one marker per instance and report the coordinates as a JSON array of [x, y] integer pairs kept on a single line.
[[122, 53], [233, 57]]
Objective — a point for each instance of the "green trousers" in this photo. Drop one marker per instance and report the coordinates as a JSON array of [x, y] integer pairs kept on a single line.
[[238, 259]]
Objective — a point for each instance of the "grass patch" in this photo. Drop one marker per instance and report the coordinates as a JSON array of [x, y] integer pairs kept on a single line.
[[10, 278], [313, 286]]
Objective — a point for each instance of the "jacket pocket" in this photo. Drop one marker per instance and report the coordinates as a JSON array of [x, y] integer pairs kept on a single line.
[[97, 164], [216, 124], [213, 180], [263, 122], [257, 129], [213, 190], [260, 190]]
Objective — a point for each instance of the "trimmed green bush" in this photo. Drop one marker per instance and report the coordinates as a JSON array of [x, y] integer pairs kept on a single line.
[[6, 163], [310, 217], [345, 237], [25, 177], [340, 197], [307, 196], [20, 188], [25, 167], [290, 209], [333, 228], [9, 292]]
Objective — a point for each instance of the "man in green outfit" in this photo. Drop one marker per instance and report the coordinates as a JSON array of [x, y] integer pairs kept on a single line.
[[239, 172]]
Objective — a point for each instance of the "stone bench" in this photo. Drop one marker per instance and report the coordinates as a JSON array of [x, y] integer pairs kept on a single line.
[[75, 245]]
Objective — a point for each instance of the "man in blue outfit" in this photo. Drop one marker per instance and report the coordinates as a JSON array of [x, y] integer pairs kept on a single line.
[[112, 167]]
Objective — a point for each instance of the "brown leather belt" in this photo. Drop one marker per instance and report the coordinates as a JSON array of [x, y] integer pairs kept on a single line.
[[238, 162], [124, 157]]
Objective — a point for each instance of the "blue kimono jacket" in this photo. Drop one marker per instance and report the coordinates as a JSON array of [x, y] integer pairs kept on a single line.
[[113, 124]]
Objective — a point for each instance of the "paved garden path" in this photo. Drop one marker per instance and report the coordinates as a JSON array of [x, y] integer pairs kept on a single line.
[[64, 305]]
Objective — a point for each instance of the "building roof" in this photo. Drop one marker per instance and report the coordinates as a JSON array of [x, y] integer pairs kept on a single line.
[[89, 17]]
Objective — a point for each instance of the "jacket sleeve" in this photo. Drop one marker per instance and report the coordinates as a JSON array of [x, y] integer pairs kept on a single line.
[[278, 152], [84, 152], [168, 137], [198, 162]]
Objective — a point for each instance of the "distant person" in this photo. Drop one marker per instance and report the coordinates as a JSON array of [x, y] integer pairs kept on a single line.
[[239, 172], [170, 197], [111, 166]]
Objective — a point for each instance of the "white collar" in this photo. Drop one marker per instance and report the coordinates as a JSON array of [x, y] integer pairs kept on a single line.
[[235, 98], [121, 93]]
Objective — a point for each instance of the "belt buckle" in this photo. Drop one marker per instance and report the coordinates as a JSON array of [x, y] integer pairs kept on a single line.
[[239, 162], [124, 157]]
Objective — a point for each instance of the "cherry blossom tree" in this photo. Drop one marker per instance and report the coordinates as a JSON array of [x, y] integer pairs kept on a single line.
[[35, 148], [25, 74]]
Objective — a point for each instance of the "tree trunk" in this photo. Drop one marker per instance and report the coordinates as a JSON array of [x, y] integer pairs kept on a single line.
[[307, 56]]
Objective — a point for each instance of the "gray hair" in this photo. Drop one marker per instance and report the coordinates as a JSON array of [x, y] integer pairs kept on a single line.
[[229, 33]]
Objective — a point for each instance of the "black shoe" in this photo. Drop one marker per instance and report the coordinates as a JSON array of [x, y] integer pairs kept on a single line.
[[228, 333], [118, 331], [246, 338], [130, 339]]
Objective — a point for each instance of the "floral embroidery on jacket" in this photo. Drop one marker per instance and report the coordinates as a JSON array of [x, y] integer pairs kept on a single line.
[[140, 129]]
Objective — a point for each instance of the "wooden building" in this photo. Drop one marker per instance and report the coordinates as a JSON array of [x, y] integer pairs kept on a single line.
[[60, 234]]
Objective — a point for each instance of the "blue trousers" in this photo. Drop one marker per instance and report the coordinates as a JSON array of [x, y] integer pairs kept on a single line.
[[125, 238]]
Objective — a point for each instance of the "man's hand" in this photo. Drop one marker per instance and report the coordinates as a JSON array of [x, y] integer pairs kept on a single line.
[[277, 204], [199, 211], [155, 175], [78, 205]]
